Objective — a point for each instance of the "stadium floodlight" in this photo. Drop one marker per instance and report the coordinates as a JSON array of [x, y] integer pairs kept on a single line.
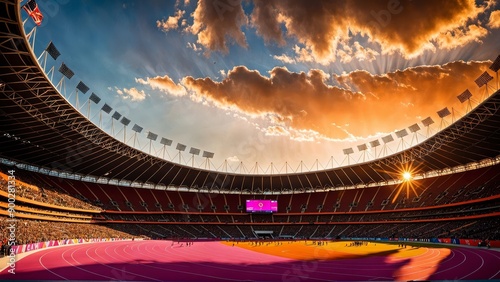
[[116, 115], [208, 155], [402, 133], [496, 64], [165, 141], [444, 112], [414, 128], [52, 51], [348, 151], [194, 151], [464, 96], [180, 147], [483, 79], [66, 71], [125, 121], [137, 128], [374, 143], [94, 98], [387, 139], [427, 121], [362, 147], [82, 87], [106, 108], [152, 136]]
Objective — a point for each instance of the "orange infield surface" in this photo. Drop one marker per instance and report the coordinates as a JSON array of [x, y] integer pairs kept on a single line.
[[419, 262]]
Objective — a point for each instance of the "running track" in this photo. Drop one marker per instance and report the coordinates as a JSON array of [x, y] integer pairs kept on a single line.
[[214, 261]]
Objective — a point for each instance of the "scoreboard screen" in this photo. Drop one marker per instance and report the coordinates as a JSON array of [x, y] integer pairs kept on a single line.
[[262, 206]]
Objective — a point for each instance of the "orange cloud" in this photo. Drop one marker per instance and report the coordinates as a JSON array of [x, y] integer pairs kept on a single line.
[[131, 93], [285, 59], [172, 22], [307, 102], [321, 27], [264, 19], [461, 36], [494, 21], [217, 22], [359, 52], [318, 25], [164, 84], [408, 26]]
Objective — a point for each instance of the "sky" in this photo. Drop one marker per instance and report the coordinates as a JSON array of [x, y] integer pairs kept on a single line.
[[271, 86]]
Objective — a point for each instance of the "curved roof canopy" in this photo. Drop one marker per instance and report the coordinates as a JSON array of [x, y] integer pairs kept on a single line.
[[39, 127]]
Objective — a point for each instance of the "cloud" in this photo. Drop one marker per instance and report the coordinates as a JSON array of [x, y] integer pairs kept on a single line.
[[411, 27], [320, 30], [307, 102], [300, 19], [360, 53], [131, 93], [285, 59], [171, 23], [233, 159], [398, 98], [494, 21], [164, 84], [322, 27], [364, 53], [276, 130], [119, 91], [217, 23], [304, 55], [461, 36], [263, 18], [193, 46]]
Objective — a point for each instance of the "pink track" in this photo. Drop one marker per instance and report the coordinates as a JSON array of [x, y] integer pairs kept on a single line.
[[213, 261]]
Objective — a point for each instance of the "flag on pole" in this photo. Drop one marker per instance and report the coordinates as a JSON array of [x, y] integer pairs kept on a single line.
[[496, 64], [106, 108], [444, 112], [414, 128], [374, 143], [208, 154], [483, 79], [348, 151], [33, 11], [402, 133], [125, 121], [52, 50], [82, 87], [362, 147], [94, 98], [180, 147], [152, 136], [387, 138], [137, 128], [67, 72], [427, 121], [466, 95], [165, 141], [194, 151], [116, 115]]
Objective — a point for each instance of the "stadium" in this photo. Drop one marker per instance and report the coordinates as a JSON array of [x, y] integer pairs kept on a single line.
[[81, 204]]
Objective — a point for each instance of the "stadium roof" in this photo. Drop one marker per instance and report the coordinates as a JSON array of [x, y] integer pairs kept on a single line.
[[39, 127]]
